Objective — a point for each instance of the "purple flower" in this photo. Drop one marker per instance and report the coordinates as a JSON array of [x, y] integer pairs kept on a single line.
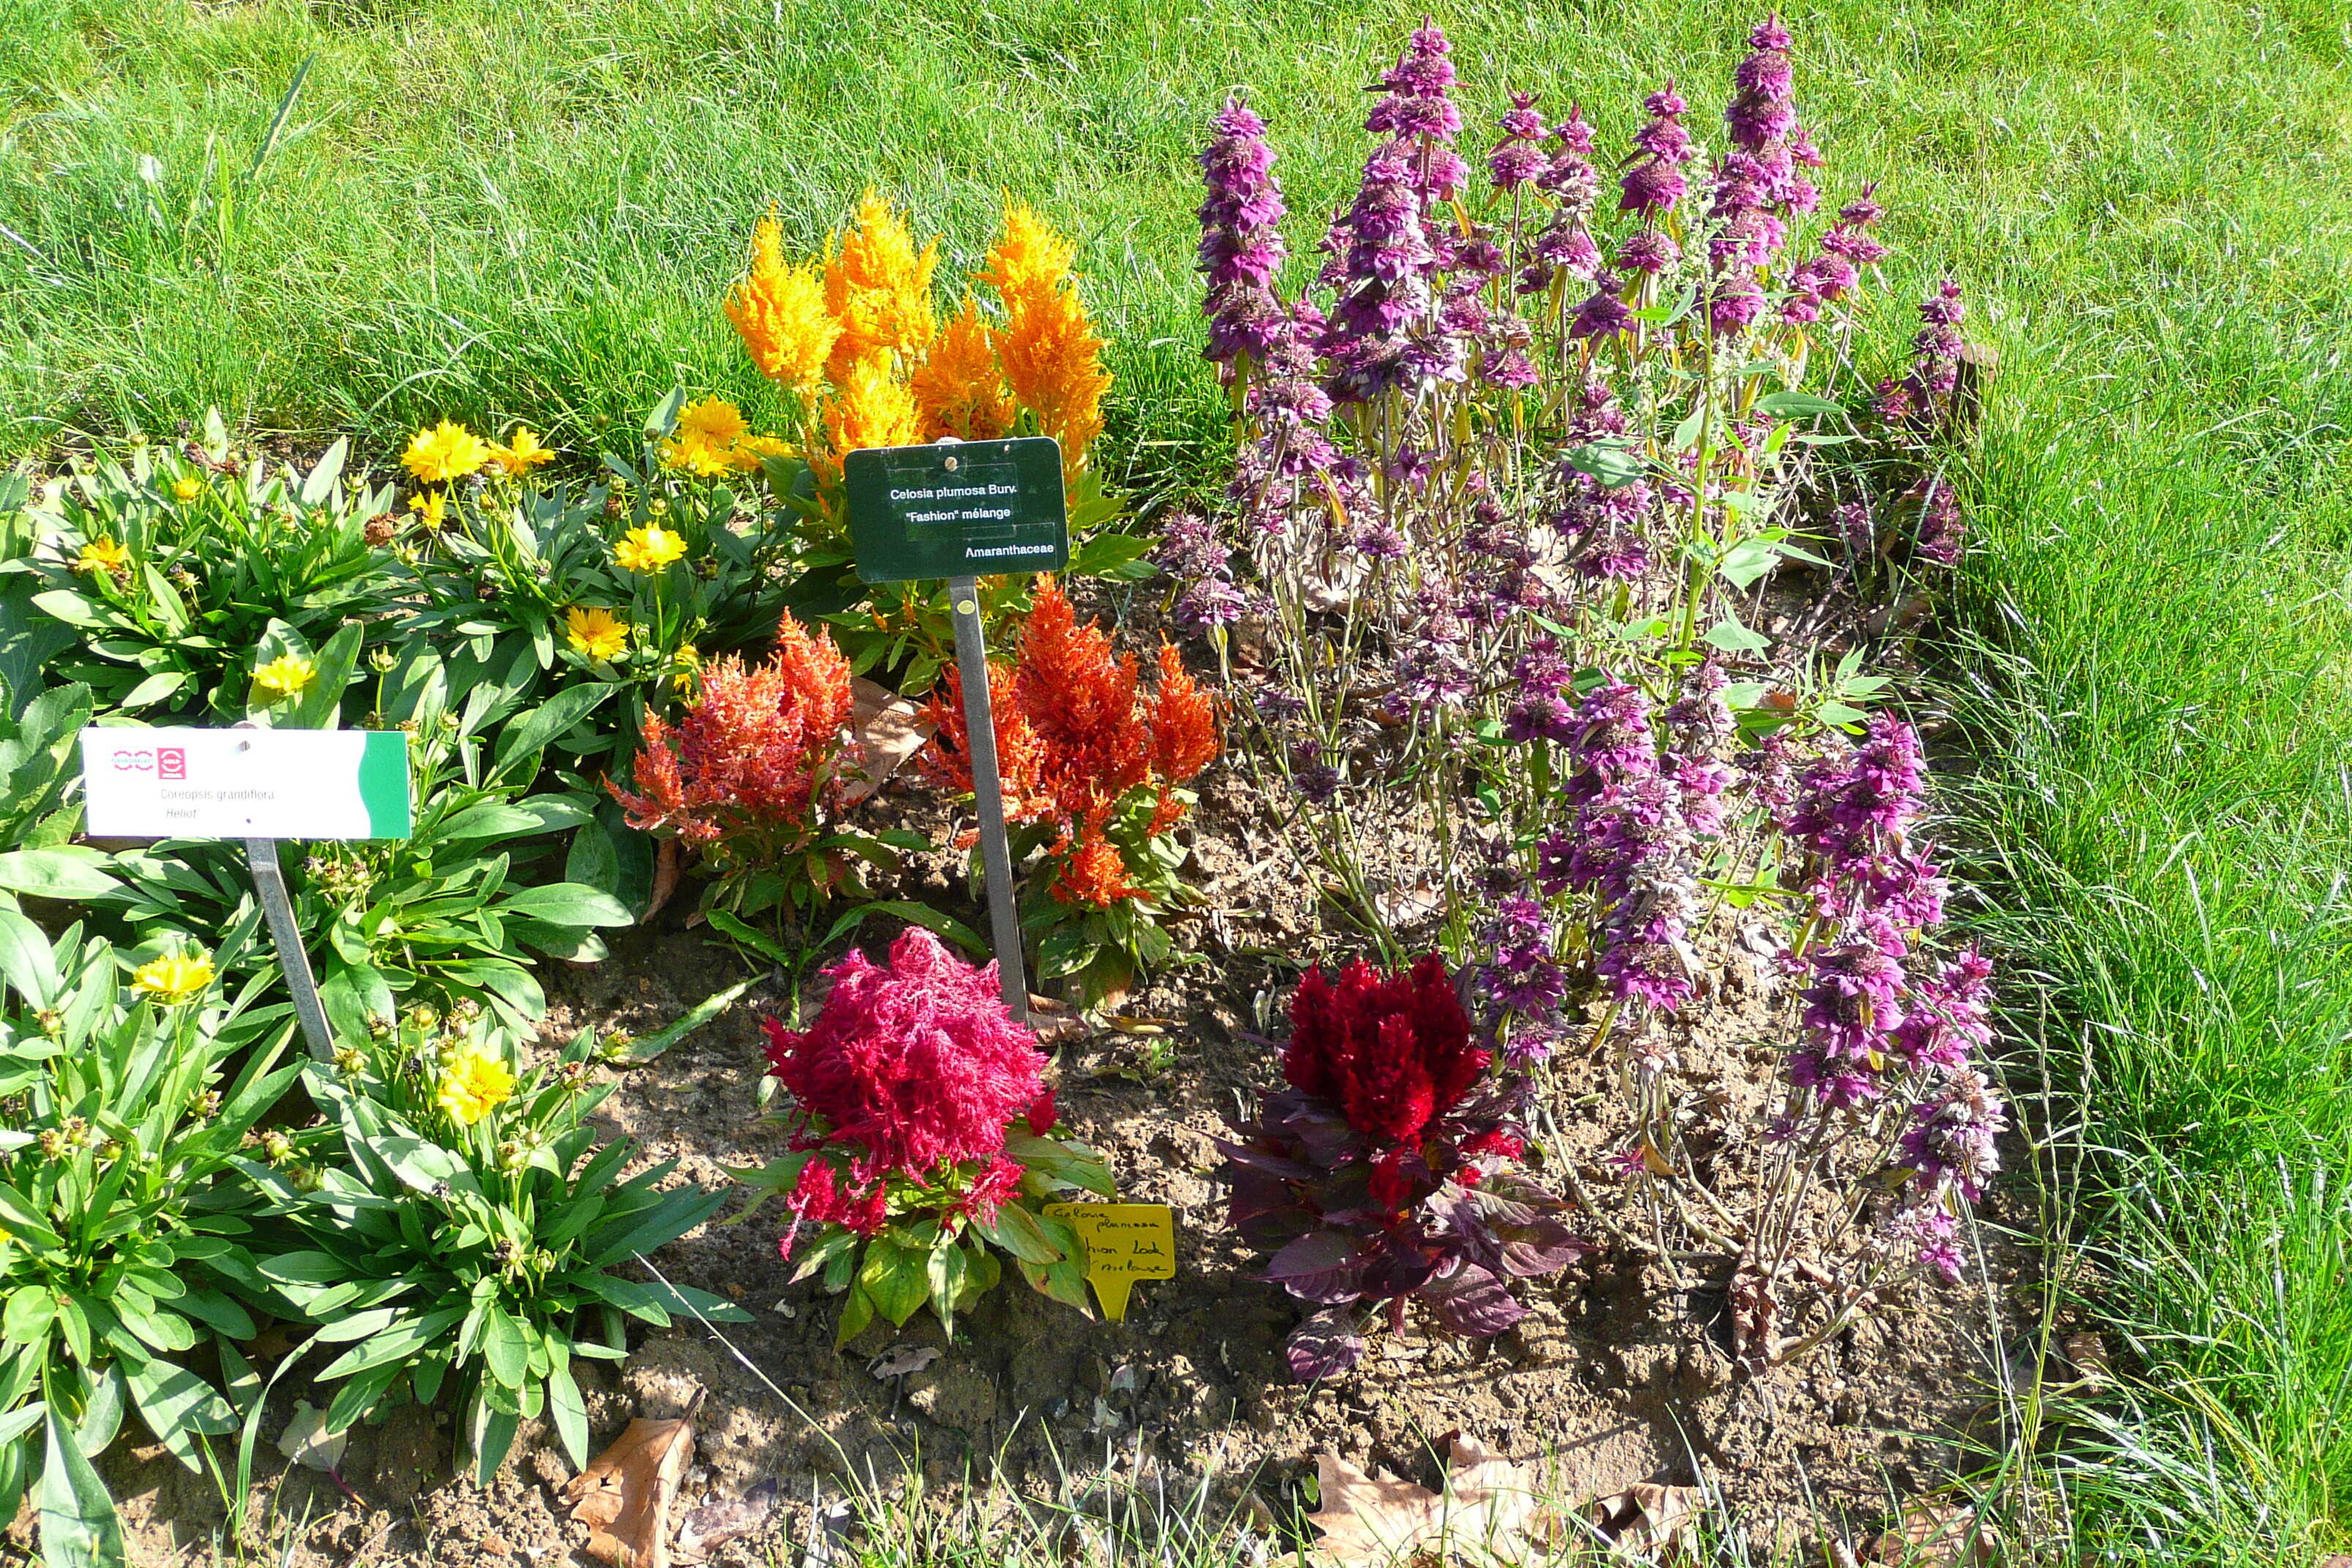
[[1654, 182], [1416, 106], [1241, 244], [1935, 370], [1950, 1014], [1955, 1135], [1647, 252], [1603, 314], [1854, 1002]]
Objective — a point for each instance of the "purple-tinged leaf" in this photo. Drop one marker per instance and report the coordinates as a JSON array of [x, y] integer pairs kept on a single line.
[[1321, 1266], [1275, 1165], [1546, 1246], [1325, 1345], [1472, 1302]]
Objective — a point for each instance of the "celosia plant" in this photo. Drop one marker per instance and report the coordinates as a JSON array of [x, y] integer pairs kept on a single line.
[[1093, 773], [1386, 1171], [859, 337], [922, 1136], [752, 776]]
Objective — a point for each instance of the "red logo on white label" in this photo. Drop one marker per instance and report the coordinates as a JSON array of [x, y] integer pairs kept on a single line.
[[170, 763]]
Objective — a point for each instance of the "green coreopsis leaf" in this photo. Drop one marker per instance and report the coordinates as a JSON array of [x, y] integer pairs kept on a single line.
[[79, 1528]]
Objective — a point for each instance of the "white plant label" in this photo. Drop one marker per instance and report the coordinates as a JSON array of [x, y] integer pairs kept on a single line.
[[246, 783]]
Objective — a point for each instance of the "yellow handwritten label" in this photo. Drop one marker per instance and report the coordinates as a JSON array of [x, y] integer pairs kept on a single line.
[[1125, 1242]]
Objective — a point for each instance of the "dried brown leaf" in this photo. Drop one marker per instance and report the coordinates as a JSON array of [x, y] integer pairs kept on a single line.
[[666, 875], [1938, 1535], [714, 1524], [887, 732], [1646, 1518], [624, 1494], [1374, 1519]]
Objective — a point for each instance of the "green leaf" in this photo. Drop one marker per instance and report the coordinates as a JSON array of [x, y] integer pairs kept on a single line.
[[1613, 464], [897, 1278], [913, 913], [26, 959], [31, 1309], [67, 872], [566, 904], [570, 1410], [506, 1347], [524, 738], [178, 1404], [1017, 1232], [647, 1047], [1731, 636], [1798, 406], [758, 942], [78, 1525], [857, 1312]]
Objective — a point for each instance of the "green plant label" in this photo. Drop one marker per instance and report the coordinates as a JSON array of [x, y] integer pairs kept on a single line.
[[246, 783], [957, 509]]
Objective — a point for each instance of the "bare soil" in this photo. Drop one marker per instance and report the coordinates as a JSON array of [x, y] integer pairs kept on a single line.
[[1620, 1376]]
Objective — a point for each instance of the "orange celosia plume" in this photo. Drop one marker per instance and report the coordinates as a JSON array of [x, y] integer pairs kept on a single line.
[[779, 310], [878, 288], [754, 750], [959, 386], [1052, 358], [873, 409], [1073, 735]]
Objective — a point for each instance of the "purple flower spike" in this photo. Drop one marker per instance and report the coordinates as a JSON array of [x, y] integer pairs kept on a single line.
[[1241, 244]]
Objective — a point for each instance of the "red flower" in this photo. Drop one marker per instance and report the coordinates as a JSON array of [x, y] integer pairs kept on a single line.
[[754, 749], [918, 1066], [991, 1190], [1391, 1186], [1393, 1051], [1495, 1141], [1041, 1114]]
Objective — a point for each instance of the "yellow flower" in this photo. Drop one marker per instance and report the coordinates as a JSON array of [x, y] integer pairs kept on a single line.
[[446, 452], [746, 452], [877, 289], [596, 632], [684, 665], [284, 676], [874, 409], [958, 387], [430, 507], [474, 1083], [187, 488], [182, 977], [1052, 358], [713, 419], [696, 454], [648, 549], [522, 453], [780, 313], [102, 555]]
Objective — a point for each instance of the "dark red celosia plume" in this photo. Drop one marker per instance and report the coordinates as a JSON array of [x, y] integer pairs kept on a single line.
[[1392, 1051], [915, 1067]]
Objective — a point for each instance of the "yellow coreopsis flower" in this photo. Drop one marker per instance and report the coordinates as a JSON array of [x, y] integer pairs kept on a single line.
[[475, 1082], [102, 555], [877, 289], [696, 454], [746, 453], [780, 313], [648, 549], [1052, 358], [960, 387], [596, 632], [186, 488], [522, 453], [284, 676], [448, 451], [684, 665], [179, 977], [873, 409], [712, 419], [431, 508]]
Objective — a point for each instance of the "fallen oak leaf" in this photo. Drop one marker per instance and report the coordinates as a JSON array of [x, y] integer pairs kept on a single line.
[[714, 1524], [1645, 1517], [1370, 1520], [623, 1495], [1938, 1535], [887, 733]]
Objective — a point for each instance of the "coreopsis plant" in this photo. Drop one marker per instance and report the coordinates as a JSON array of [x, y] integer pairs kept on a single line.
[[1385, 1173], [1093, 771], [125, 1258], [155, 574], [878, 359], [924, 1142], [459, 1239], [631, 582]]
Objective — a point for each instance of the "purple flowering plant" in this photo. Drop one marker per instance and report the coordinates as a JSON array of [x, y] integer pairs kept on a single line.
[[1510, 467]]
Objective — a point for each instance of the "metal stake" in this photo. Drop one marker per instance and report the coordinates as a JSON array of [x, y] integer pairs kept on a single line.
[[293, 959], [979, 736]]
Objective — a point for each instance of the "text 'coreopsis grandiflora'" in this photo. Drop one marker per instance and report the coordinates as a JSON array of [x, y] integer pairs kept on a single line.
[[1386, 1170], [922, 1136]]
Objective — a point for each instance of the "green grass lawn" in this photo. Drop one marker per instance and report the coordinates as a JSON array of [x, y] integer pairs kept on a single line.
[[491, 213]]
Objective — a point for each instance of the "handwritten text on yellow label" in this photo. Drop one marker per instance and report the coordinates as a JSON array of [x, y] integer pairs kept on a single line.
[[1124, 1242]]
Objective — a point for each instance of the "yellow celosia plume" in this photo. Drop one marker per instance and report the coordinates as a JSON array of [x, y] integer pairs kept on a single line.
[[879, 290], [872, 408], [1052, 358], [779, 310], [958, 386]]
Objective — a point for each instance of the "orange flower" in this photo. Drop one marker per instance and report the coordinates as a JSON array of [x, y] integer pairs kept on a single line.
[[1052, 358], [756, 749], [873, 409], [958, 386], [1184, 734], [779, 312], [877, 289], [1096, 873]]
